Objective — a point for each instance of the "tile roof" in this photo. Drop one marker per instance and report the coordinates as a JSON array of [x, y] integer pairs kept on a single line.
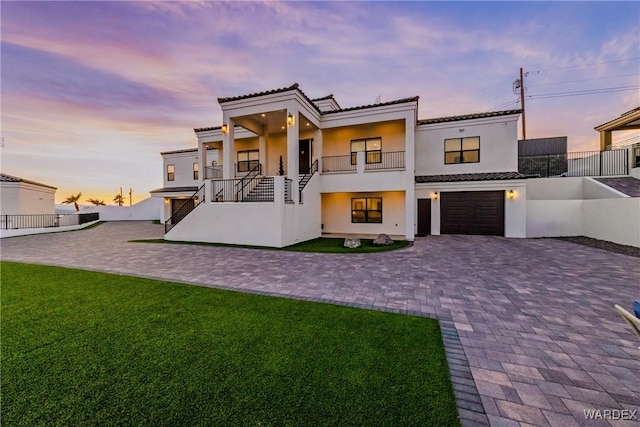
[[255, 94], [191, 189], [382, 104], [322, 98], [483, 176], [618, 118], [186, 150], [10, 178], [468, 117], [208, 128]]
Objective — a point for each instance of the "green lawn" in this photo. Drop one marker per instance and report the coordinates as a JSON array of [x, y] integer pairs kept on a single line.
[[321, 244], [87, 348]]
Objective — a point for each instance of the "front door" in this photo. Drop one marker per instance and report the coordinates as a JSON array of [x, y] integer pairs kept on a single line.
[[305, 156], [424, 217]]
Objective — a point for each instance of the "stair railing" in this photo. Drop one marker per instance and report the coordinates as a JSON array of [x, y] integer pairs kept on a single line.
[[185, 209], [307, 177]]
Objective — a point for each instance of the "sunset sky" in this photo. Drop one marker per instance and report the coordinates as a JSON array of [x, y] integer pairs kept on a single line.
[[92, 92]]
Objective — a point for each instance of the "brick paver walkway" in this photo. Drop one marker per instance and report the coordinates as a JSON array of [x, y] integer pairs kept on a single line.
[[534, 318]]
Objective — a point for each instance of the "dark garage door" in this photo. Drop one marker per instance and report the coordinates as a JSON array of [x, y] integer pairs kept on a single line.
[[472, 212]]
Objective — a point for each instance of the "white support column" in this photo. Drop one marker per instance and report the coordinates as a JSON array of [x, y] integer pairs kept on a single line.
[[317, 148], [293, 152], [202, 156], [228, 148], [410, 186], [262, 155]]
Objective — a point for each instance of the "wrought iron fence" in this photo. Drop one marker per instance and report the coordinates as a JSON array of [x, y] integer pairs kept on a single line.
[[184, 210], [304, 180], [635, 153], [254, 189], [338, 164], [14, 222], [580, 163], [387, 160]]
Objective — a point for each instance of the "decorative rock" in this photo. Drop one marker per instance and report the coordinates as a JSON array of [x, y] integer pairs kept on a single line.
[[351, 242], [382, 240]]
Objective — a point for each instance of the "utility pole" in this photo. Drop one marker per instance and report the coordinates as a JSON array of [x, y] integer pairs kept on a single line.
[[524, 120], [130, 195]]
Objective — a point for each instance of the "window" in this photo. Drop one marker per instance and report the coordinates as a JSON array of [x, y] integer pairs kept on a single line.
[[247, 160], [171, 172], [372, 148], [196, 168], [367, 209], [462, 150]]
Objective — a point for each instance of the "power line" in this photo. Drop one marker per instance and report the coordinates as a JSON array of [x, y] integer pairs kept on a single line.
[[591, 65], [583, 92], [587, 80]]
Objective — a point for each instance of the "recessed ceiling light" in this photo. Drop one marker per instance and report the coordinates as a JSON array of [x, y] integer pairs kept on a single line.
[[263, 115]]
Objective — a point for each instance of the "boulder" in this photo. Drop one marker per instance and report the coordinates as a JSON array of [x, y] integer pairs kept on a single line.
[[351, 242], [382, 240]]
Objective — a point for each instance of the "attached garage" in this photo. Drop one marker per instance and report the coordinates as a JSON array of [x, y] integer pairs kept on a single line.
[[472, 212]]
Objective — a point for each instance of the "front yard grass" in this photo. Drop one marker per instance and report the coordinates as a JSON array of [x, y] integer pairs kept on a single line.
[[321, 244], [88, 348]]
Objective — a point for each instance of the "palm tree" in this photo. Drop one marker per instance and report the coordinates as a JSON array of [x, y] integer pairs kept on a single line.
[[96, 202], [119, 199], [73, 199]]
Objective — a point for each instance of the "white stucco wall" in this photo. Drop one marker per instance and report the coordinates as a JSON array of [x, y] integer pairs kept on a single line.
[[554, 189], [147, 209], [336, 213], [581, 206], [498, 145], [337, 141], [554, 218], [615, 220], [274, 224], [21, 198]]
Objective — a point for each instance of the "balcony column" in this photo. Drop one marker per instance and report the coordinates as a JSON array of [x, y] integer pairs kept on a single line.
[[293, 152], [262, 153], [317, 148], [228, 148], [409, 175], [202, 156]]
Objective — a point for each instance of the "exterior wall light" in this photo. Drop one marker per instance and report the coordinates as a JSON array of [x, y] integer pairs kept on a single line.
[[290, 119], [225, 128], [511, 194], [435, 196], [166, 201]]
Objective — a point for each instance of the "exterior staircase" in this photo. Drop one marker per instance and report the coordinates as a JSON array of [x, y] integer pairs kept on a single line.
[[187, 207], [263, 191]]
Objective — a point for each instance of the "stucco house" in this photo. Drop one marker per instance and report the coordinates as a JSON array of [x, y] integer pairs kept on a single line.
[[283, 168], [19, 196]]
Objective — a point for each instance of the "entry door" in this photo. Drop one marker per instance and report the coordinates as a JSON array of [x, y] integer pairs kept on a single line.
[[305, 156], [424, 217]]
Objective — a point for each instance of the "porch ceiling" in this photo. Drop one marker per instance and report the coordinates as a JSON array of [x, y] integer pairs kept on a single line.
[[270, 122]]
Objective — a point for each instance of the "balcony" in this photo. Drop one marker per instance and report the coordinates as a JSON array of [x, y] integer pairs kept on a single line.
[[372, 160]]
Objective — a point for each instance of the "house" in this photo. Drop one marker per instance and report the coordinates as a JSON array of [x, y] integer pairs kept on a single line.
[[19, 196], [284, 168], [181, 179]]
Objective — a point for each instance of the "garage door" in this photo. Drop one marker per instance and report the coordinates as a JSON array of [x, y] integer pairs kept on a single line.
[[472, 212]]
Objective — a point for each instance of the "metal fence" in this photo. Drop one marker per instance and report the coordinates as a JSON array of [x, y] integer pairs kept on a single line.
[[14, 222], [213, 172], [635, 153], [338, 164], [288, 194], [254, 189], [387, 160], [581, 163]]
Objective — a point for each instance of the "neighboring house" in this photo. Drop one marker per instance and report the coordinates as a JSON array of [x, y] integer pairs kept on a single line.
[[20, 196], [283, 168]]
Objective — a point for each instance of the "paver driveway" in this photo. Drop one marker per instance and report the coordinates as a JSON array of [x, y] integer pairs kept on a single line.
[[535, 317]]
